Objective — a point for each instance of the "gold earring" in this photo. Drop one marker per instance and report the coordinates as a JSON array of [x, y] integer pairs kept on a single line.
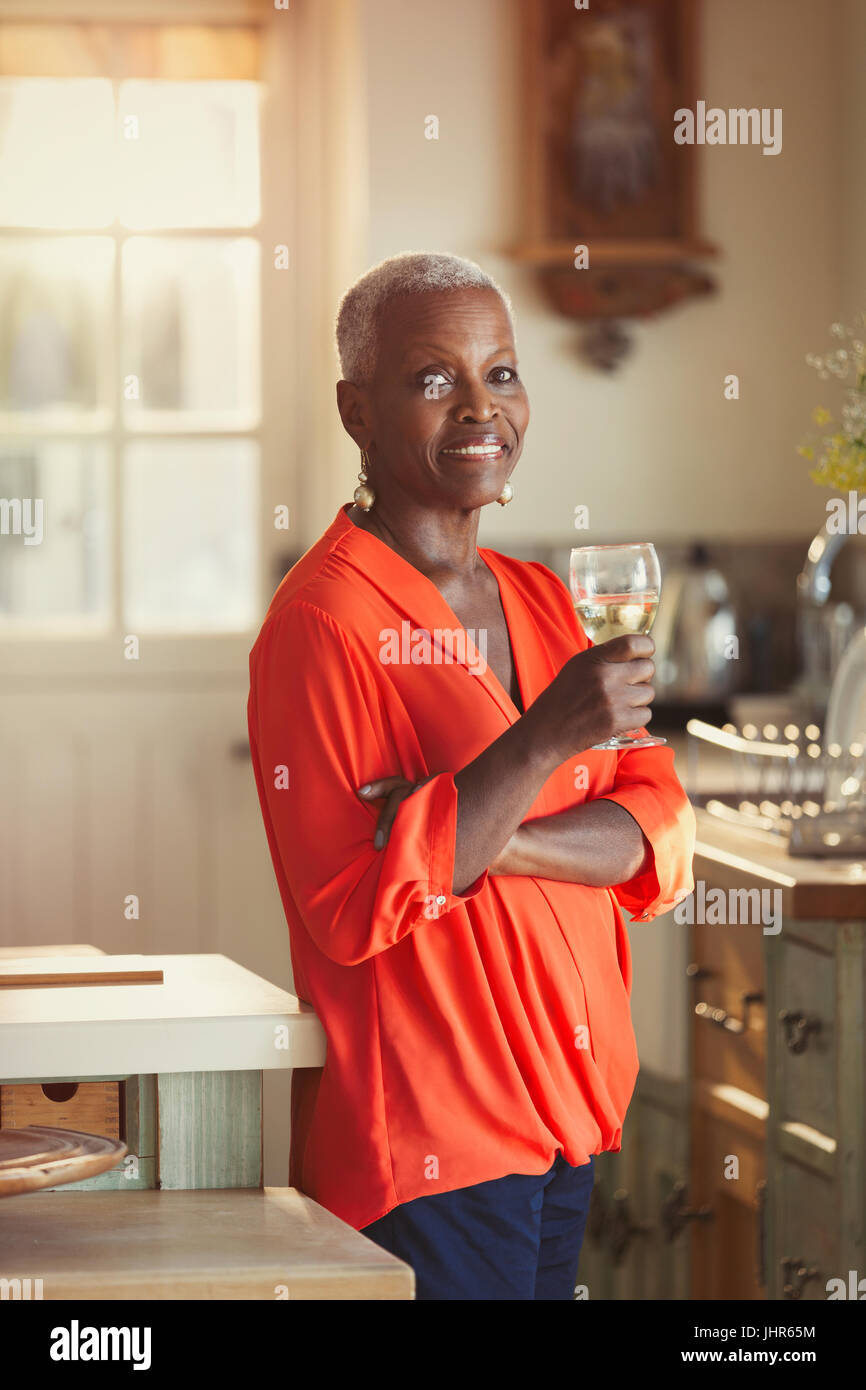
[[505, 495], [364, 494]]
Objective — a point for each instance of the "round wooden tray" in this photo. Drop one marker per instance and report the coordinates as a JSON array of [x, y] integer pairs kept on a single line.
[[40, 1156]]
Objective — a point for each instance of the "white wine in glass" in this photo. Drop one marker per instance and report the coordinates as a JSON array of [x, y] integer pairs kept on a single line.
[[616, 590]]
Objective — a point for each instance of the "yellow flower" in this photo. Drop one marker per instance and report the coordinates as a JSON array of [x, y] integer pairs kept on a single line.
[[820, 415]]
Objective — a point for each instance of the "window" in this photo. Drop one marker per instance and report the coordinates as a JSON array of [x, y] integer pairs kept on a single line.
[[130, 374]]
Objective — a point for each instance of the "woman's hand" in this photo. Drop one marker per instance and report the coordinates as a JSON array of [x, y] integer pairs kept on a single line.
[[395, 790], [598, 693]]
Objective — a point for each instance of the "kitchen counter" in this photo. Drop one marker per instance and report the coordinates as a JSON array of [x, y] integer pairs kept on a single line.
[[731, 857], [210, 1014]]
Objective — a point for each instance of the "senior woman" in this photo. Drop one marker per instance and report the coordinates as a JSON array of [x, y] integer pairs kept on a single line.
[[451, 851]]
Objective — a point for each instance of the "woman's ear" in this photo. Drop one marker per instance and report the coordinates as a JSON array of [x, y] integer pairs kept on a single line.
[[354, 412]]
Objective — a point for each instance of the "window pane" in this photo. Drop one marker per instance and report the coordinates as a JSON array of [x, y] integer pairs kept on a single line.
[[56, 152], [191, 332], [56, 327], [189, 154], [190, 535], [54, 561]]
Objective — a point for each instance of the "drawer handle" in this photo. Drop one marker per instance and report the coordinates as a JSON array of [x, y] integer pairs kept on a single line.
[[797, 1276], [699, 972], [798, 1028], [722, 1019], [59, 1091], [621, 1228], [676, 1213]]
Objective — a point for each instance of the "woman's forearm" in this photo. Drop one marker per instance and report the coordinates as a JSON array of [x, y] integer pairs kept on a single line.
[[600, 691], [598, 843], [494, 793]]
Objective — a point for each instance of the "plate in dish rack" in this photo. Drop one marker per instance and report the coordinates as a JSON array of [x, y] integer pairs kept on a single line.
[[846, 712]]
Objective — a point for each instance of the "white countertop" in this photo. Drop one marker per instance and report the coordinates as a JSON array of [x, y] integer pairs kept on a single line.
[[209, 1014]]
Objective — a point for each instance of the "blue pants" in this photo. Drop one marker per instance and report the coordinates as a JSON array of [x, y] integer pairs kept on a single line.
[[516, 1237]]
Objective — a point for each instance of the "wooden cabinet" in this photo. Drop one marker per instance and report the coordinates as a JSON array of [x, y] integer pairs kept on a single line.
[[727, 1190], [816, 1139], [779, 1103], [785, 1093], [660, 1180], [634, 1245], [747, 1178], [728, 1112]]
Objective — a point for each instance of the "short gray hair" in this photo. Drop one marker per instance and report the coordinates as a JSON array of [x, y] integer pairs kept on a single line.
[[413, 272]]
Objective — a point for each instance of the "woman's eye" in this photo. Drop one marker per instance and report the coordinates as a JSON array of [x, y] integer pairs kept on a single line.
[[505, 375]]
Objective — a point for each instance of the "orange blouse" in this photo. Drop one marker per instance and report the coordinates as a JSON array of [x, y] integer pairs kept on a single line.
[[468, 1035]]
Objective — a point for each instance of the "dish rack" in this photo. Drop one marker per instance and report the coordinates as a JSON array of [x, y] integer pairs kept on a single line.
[[783, 780]]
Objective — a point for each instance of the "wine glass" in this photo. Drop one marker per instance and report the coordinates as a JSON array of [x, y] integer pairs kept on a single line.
[[616, 590]]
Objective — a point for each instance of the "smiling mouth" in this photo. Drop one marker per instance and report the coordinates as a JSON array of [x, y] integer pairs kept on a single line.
[[493, 450]]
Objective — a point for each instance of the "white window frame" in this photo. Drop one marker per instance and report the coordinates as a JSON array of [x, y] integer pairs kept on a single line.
[[83, 653]]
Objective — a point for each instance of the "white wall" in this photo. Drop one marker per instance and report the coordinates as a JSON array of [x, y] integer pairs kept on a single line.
[[852, 198], [654, 449]]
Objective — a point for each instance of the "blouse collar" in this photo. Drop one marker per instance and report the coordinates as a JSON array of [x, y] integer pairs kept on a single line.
[[418, 598]]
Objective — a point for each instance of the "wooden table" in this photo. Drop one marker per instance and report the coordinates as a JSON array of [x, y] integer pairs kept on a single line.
[[273, 1244]]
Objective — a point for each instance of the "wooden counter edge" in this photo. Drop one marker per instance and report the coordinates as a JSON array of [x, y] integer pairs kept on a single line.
[[731, 860]]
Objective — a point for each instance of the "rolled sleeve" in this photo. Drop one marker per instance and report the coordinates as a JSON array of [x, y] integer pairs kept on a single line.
[[648, 788], [418, 869], [316, 716]]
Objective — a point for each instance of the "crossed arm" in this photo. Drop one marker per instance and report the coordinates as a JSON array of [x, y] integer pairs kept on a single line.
[[598, 843]]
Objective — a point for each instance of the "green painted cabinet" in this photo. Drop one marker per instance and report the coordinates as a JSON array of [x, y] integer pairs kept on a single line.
[[816, 1126], [636, 1243]]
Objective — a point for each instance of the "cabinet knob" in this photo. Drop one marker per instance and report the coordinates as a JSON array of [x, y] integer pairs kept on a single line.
[[621, 1228], [676, 1213], [797, 1276], [723, 1019], [699, 972], [797, 1028]]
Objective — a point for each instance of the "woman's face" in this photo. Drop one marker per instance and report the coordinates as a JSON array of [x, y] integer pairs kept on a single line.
[[446, 411]]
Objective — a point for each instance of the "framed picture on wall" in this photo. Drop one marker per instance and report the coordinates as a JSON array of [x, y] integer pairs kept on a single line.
[[611, 210]]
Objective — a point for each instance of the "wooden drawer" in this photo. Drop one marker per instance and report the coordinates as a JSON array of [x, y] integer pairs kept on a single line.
[[727, 1259], [730, 974], [90, 1106]]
